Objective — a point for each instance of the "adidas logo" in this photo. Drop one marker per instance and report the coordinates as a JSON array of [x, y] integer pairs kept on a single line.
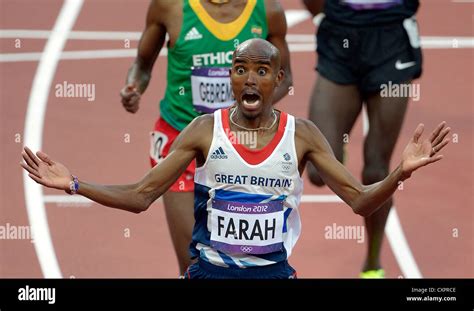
[[193, 34], [218, 154]]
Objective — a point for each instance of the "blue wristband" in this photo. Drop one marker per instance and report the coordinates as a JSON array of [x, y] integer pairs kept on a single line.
[[73, 185]]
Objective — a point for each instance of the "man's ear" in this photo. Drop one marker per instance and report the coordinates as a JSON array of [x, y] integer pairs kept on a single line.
[[279, 77]]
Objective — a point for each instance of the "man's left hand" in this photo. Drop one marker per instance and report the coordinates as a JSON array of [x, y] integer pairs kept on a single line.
[[419, 152]]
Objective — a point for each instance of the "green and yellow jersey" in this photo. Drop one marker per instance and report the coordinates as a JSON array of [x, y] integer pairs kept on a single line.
[[198, 64]]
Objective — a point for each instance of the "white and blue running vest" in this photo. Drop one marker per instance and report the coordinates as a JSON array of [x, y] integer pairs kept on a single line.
[[246, 200]]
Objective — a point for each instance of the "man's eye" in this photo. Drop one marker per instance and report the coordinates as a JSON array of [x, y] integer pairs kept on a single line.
[[262, 71], [240, 70]]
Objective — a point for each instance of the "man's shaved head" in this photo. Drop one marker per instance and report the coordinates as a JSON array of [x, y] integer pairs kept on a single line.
[[256, 72], [260, 49]]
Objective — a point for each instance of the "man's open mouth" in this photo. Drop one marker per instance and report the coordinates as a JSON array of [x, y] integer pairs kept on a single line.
[[251, 99]]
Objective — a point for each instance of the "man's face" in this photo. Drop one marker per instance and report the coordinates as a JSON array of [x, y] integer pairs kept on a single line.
[[254, 76]]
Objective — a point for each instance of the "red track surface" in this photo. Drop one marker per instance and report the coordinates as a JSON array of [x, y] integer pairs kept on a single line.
[[89, 138]]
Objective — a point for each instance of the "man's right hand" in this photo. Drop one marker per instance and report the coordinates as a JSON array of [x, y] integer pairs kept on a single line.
[[45, 171], [130, 98]]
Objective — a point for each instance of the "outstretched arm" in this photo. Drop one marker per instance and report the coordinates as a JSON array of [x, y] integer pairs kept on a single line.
[[135, 197], [365, 200]]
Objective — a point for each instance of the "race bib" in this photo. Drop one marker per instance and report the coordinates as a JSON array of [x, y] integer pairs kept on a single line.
[[371, 4], [211, 89], [158, 141], [247, 228]]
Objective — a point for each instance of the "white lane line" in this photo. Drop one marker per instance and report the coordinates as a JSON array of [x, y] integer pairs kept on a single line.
[[460, 42], [75, 199], [24, 34], [19, 57], [73, 35], [302, 47], [104, 35], [299, 45], [294, 17], [393, 230], [33, 134], [427, 42], [400, 247], [75, 55], [321, 198], [436, 42], [114, 53]]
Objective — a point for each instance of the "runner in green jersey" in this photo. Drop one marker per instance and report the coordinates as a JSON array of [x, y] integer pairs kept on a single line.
[[202, 34]]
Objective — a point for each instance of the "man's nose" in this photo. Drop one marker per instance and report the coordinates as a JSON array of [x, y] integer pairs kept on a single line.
[[251, 78]]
